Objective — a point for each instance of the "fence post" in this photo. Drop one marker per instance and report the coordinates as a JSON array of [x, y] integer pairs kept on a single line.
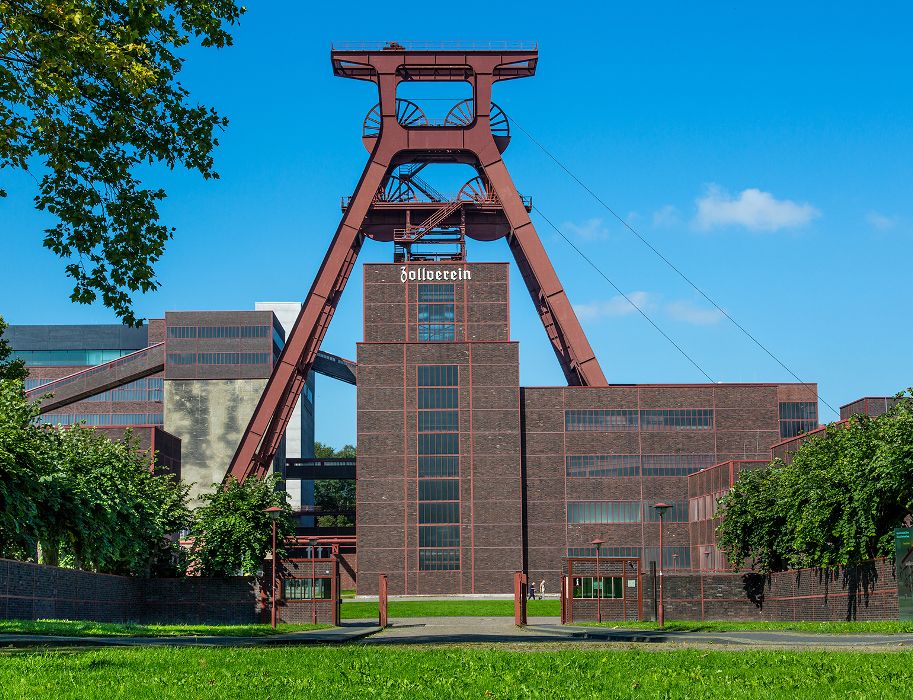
[[520, 598], [653, 583], [382, 601]]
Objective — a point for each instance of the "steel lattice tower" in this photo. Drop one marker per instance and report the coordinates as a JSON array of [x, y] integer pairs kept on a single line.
[[392, 203]]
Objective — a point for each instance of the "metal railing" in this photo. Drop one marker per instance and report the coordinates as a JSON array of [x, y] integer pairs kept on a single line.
[[346, 200], [435, 46]]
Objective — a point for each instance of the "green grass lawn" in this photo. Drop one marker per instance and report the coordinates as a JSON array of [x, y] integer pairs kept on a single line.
[[887, 627], [355, 610], [74, 628], [396, 672]]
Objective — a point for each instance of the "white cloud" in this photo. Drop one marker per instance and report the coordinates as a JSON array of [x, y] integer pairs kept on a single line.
[[751, 208], [616, 306], [881, 221], [687, 312], [589, 230], [666, 216]]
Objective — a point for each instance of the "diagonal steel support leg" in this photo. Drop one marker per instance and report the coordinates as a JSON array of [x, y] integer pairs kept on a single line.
[[267, 425], [576, 357]]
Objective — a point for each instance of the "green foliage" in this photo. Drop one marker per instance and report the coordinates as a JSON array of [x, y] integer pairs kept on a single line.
[[836, 503], [103, 506], [9, 369], [334, 494], [20, 466], [233, 531], [82, 497], [516, 672], [89, 94]]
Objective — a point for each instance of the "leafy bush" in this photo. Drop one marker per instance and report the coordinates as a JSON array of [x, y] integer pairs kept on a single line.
[[836, 503]]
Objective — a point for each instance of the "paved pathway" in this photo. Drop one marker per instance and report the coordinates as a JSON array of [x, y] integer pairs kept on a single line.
[[468, 630], [483, 630]]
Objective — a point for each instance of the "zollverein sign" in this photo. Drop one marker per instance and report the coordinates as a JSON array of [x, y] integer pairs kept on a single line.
[[424, 274]]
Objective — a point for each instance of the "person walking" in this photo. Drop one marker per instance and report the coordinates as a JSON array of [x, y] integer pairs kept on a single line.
[[542, 589], [532, 590]]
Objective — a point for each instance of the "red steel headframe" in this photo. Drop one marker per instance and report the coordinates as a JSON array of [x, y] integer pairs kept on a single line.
[[397, 144]]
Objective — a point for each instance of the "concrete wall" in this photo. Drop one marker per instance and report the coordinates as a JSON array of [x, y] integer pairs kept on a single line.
[[299, 436], [209, 416]]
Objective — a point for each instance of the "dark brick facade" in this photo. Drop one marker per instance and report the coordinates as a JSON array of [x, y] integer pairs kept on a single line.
[[744, 423], [490, 488], [705, 488], [522, 487]]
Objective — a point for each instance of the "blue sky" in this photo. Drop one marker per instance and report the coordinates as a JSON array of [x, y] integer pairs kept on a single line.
[[766, 150]]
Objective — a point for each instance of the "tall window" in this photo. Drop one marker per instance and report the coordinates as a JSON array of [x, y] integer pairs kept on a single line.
[[438, 443], [435, 312], [797, 417]]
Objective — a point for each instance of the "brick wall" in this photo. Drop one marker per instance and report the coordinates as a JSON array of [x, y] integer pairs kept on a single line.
[[868, 592], [35, 591]]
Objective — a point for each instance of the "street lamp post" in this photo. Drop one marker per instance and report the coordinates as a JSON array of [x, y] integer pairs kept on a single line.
[[274, 516], [661, 508], [598, 543]]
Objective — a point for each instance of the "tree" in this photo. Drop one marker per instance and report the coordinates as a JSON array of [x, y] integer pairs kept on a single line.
[[89, 93], [20, 470], [9, 369], [836, 503], [101, 508], [232, 529], [81, 498], [334, 494]]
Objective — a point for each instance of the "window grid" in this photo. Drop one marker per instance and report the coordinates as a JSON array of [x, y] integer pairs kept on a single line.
[[589, 587], [101, 419], [69, 358], [673, 557], [306, 588], [220, 358], [219, 331], [439, 559], [438, 446], [620, 512], [620, 420], [797, 417], [436, 313]]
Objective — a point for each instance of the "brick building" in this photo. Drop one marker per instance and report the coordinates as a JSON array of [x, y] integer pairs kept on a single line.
[[465, 477]]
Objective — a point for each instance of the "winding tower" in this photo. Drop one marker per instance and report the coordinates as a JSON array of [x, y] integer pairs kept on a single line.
[[393, 203]]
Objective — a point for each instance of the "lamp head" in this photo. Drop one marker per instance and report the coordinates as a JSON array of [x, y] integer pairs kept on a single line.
[[274, 512]]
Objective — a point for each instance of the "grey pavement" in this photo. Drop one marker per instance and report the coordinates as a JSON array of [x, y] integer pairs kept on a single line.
[[349, 632], [493, 630], [483, 630]]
